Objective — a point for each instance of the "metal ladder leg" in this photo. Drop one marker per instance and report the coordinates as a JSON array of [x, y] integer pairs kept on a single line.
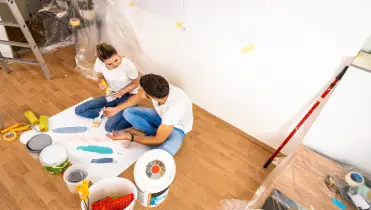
[[31, 42], [4, 63]]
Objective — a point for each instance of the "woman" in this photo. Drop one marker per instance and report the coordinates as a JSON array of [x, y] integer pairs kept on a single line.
[[123, 80]]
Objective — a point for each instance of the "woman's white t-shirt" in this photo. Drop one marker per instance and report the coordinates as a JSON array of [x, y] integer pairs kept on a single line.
[[119, 77]]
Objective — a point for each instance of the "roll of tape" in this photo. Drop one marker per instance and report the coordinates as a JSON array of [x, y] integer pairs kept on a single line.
[[354, 179], [10, 136]]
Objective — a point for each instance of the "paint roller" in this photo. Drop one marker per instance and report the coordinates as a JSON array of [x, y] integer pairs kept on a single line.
[[43, 123], [31, 117]]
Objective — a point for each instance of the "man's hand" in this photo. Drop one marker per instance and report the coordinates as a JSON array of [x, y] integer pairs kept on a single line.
[[115, 135], [101, 86], [110, 111]]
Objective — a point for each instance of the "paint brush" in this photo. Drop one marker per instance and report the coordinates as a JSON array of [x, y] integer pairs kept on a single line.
[[97, 121]]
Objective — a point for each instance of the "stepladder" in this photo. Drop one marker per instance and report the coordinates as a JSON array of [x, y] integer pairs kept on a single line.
[[20, 23]]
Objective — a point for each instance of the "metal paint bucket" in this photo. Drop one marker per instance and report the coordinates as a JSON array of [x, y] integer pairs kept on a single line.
[[37, 143]]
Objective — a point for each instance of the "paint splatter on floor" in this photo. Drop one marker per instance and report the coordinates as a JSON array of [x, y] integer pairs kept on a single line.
[[96, 149]]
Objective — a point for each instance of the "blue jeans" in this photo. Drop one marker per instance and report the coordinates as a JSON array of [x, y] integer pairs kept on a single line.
[[91, 109], [147, 120]]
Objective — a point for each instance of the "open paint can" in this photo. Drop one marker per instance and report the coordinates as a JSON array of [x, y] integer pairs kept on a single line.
[[74, 175], [153, 173], [37, 143], [54, 158]]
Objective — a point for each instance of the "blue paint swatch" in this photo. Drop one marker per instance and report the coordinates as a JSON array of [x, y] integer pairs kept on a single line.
[[77, 129], [102, 160], [338, 203], [96, 149]]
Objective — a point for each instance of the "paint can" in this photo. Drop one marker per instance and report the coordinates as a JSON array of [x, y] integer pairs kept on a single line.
[[37, 143], [54, 158], [112, 187], [74, 175], [153, 173]]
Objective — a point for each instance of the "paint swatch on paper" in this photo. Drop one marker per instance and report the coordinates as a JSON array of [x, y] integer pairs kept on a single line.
[[76, 129], [95, 149], [103, 160]]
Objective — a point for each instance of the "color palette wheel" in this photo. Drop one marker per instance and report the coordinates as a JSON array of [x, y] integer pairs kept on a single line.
[[155, 169]]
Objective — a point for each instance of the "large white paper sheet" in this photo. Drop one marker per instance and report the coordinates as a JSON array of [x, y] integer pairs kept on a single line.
[[94, 136]]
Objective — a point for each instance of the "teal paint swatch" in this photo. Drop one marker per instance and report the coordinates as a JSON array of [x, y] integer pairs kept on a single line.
[[96, 149]]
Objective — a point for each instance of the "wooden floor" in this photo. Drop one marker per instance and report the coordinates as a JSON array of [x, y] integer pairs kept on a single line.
[[214, 163]]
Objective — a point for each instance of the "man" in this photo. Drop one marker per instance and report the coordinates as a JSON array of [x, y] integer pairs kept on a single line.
[[163, 127]]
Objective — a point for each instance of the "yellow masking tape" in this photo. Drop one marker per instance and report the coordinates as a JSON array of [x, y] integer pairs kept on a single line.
[[179, 24], [9, 128], [248, 48], [10, 136]]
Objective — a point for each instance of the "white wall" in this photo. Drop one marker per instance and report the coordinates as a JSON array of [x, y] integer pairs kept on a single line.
[[300, 46], [367, 46], [342, 130], [5, 50]]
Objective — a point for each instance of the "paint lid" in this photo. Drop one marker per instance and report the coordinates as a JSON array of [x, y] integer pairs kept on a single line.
[[76, 176], [53, 155], [154, 171], [38, 143]]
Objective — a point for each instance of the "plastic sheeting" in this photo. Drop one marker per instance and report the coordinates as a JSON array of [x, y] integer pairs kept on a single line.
[[102, 21], [299, 182]]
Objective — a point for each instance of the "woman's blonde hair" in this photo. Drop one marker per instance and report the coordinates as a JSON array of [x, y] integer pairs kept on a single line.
[[105, 51]]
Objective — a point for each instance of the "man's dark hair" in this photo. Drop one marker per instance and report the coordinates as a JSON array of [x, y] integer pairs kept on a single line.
[[105, 51], [155, 85]]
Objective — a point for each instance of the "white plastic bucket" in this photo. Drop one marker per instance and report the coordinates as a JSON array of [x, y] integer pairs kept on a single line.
[[153, 173], [54, 158], [73, 169], [113, 187]]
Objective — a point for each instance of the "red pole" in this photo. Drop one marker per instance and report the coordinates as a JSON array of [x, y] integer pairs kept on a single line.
[[302, 121]]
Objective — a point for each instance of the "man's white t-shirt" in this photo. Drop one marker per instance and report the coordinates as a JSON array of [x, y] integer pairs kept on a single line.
[[119, 77], [177, 110]]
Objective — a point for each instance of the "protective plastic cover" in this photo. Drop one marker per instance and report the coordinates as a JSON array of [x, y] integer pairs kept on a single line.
[[301, 181], [85, 23]]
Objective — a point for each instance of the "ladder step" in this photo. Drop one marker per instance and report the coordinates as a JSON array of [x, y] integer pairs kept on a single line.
[[8, 23], [19, 44], [19, 60]]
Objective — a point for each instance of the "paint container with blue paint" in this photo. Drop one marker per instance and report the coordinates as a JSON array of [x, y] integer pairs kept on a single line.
[[354, 180]]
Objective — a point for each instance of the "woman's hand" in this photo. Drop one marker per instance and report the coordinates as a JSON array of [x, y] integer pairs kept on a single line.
[[115, 135], [117, 94], [110, 111]]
